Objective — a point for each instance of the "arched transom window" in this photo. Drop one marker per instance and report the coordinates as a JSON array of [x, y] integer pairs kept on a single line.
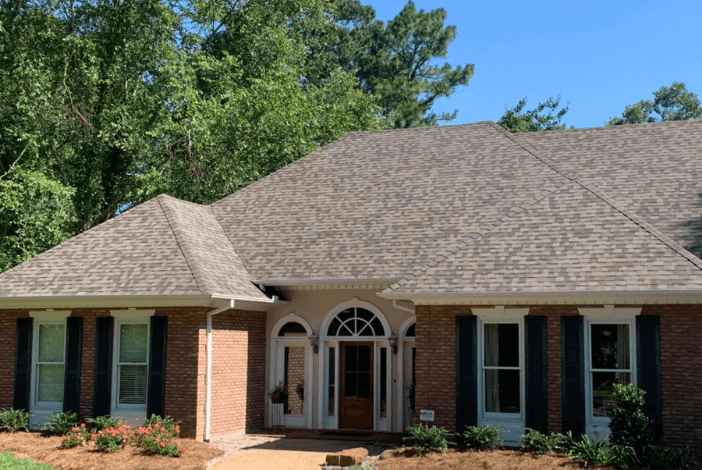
[[356, 322]]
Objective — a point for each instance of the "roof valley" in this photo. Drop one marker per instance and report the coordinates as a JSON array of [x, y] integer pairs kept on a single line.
[[608, 200]]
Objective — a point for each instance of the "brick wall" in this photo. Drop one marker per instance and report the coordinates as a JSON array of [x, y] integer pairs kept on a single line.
[[238, 378], [681, 357], [238, 373]]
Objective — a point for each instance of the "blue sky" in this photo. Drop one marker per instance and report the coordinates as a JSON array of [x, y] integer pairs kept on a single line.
[[599, 55]]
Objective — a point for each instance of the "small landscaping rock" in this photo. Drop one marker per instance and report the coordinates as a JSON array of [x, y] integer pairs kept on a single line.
[[348, 458]]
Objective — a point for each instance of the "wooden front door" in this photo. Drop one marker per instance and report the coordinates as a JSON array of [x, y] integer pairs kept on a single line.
[[356, 391]]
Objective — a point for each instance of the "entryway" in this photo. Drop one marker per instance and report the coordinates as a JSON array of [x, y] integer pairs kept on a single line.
[[356, 386]]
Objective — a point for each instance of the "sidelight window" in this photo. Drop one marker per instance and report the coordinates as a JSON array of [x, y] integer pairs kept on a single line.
[[611, 353], [501, 369]]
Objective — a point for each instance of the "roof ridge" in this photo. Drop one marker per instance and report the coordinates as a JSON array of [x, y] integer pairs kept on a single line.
[[697, 262], [473, 237], [236, 252], [195, 270]]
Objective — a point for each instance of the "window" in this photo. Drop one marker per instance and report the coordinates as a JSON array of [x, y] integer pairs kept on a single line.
[[501, 368], [292, 328], [611, 358], [50, 362], [332, 381], [383, 382], [355, 322], [294, 373], [132, 363]]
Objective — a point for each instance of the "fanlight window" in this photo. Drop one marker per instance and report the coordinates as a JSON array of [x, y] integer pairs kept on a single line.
[[292, 328], [410, 331], [356, 322]]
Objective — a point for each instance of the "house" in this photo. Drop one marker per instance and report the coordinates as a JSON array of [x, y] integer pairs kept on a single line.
[[507, 279]]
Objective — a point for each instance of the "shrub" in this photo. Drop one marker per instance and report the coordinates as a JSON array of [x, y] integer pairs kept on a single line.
[[112, 438], [483, 437], [167, 423], [629, 425], [59, 424], [596, 453], [156, 436], [77, 436], [102, 422], [662, 458], [425, 438], [14, 420], [534, 441]]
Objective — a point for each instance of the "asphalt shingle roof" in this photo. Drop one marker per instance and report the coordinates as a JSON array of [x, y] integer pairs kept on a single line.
[[467, 208]]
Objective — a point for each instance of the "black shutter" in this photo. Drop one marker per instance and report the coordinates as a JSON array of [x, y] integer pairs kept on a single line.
[[23, 363], [102, 398], [573, 374], [648, 353], [466, 372], [157, 367], [536, 391], [74, 347]]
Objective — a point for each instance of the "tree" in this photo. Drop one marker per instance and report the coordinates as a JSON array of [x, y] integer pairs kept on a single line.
[[518, 120], [395, 62], [673, 103]]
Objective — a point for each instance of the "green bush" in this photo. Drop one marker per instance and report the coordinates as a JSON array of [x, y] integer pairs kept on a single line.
[[77, 436], [14, 420], [170, 427], [425, 438], [629, 426], [113, 438], [534, 441], [483, 437], [662, 458], [597, 453], [102, 422], [61, 423]]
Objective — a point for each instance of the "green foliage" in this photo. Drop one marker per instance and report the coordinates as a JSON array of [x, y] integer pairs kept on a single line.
[[534, 441], [425, 438], [662, 458], [170, 427], [629, 426], [673, 103], [597, 453], [483, 437], [77, 436], [61, 423], [518, 120], [102, 422], [14, 420], [10, 462]]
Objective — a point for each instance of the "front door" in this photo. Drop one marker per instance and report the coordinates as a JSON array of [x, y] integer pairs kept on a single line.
[[356, 391]]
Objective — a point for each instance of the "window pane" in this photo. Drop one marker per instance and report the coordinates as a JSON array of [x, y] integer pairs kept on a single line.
[[51, 343], [364, 358], [411, 331], [502, 345], [350, 385], [610, 346], [334, 327], [365, 314], [292, 328], [132, 385], [332, 380], [364, 385], [295, 379], [502, 391], [133, 343], [603, 401], [50, 383]]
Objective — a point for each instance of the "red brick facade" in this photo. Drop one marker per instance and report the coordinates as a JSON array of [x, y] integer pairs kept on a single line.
[[681, 363], [238, 366]]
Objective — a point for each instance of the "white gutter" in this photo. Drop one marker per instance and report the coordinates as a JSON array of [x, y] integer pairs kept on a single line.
[[208, 370]]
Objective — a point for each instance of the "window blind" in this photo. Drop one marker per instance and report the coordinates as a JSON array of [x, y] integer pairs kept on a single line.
[[52, 339], [132, 385], [133, 343]]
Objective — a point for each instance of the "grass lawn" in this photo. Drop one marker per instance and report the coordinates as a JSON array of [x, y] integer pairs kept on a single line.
[[406, 459], [47, 450], [10, 462]]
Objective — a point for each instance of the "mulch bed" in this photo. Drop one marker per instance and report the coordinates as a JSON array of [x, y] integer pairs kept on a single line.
[[47, 450], [406, 459]]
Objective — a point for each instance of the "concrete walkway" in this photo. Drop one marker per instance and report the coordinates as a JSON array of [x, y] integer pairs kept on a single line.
[[291, 454]]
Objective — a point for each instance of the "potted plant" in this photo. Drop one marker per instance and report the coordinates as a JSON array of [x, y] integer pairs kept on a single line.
[[278, 394]]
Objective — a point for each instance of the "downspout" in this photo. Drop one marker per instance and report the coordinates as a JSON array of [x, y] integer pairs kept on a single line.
[[208, 370]]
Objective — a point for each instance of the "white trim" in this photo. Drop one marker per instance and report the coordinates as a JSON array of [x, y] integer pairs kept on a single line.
[[402, 344], [610, 313], [42, 411], [551, 298], [51, 314], [395, 304], [513, 424], [291, 317], [499, 313], [132, 313], [134, 415], [598, 427]]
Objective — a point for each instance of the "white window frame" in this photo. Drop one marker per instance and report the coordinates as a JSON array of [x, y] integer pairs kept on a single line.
[[512, 423], [132, 414], [597, 427], [42, 410]]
